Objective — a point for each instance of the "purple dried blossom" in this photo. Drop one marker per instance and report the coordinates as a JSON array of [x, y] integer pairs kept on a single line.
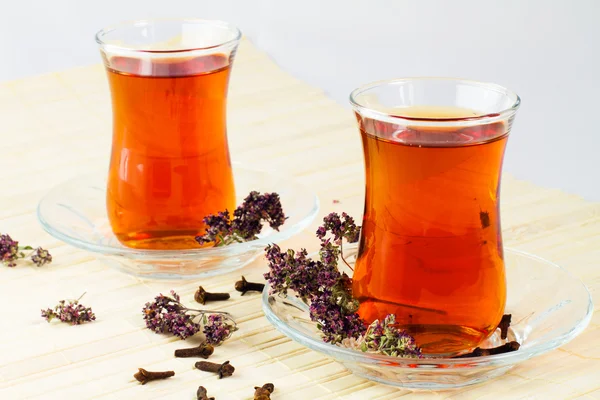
[[247, 220], [334, 324], [256, 208], [295, 271], [340, 227], [41, 257], [70, 312], [166, 314], [9, 250], [329, 253], [385, 338], [218, 228], [329, 292], [218, 328]]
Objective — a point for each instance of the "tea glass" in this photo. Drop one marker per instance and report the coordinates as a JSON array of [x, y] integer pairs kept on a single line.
[[170, 165], [431, 249]]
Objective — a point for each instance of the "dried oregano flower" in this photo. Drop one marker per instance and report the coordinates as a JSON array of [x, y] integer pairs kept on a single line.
[[10, 252], [320, 283], [70, 312], [217, 329], [328, 292], [168, 315], [247, 221], [385, 338], [41, 257]]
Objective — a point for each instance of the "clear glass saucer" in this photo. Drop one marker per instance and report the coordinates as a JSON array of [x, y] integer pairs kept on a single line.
[[75, 212], [549, 307]]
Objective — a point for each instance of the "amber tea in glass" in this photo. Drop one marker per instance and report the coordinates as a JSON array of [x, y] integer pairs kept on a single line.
[[431, 244], [170, 164]]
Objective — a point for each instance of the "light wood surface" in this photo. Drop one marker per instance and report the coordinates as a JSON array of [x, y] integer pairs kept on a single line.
[[57, 126]]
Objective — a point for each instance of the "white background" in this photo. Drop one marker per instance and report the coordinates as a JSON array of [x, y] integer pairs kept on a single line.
[[548, 51]]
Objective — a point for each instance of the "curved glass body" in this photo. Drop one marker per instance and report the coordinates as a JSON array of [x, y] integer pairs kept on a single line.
[[170, 164], [431, 244]]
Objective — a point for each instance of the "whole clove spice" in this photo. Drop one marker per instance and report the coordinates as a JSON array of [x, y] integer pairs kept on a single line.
[[144, 376], [504, 325], [202, 394], [505, 348], [264, 392], [203, 350], [202, 296], [244, 286], [224, 370]]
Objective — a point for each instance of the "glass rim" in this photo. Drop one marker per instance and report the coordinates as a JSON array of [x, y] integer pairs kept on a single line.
[[237, 34], [484, 118]]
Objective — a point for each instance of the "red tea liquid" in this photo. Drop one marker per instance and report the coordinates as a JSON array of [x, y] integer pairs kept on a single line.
[[431, 246], [170, 164]]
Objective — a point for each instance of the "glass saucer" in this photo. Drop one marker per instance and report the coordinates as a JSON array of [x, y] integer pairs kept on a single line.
[[549, 307], [75, 212]]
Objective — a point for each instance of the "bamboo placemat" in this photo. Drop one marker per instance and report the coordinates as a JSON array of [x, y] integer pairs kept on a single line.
[[57, 126]]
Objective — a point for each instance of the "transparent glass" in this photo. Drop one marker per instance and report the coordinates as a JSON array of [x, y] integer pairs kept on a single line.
[[431, 244], [549, 307], [170, 164], [75, 213]]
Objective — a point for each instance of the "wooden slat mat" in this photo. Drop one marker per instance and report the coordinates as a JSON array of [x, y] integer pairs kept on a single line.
[[57, 126]]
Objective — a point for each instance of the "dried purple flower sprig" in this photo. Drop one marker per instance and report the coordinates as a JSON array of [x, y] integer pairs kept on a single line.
[[247, 221], [319, 283], [328, 292], [168, 315], [10, 252], [70, 312], [217, 328], [385, 338]]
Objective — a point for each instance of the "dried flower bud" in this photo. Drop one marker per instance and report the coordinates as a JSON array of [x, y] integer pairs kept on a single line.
[[247, 220], [41, 257], [340, 227], [384, 338], [9, 250], [217, 329], [70, 312], [168, 315]]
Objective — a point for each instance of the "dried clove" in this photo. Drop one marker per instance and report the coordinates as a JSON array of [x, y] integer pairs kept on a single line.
[[144, 376], [244, 286], [203, 350], [202, 394], [504, 325], [202, 296], [264, 392], [224, 370], [505, 348]]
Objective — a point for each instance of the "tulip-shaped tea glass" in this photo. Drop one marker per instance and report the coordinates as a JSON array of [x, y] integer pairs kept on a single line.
[[431, 245], [170, 164]]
